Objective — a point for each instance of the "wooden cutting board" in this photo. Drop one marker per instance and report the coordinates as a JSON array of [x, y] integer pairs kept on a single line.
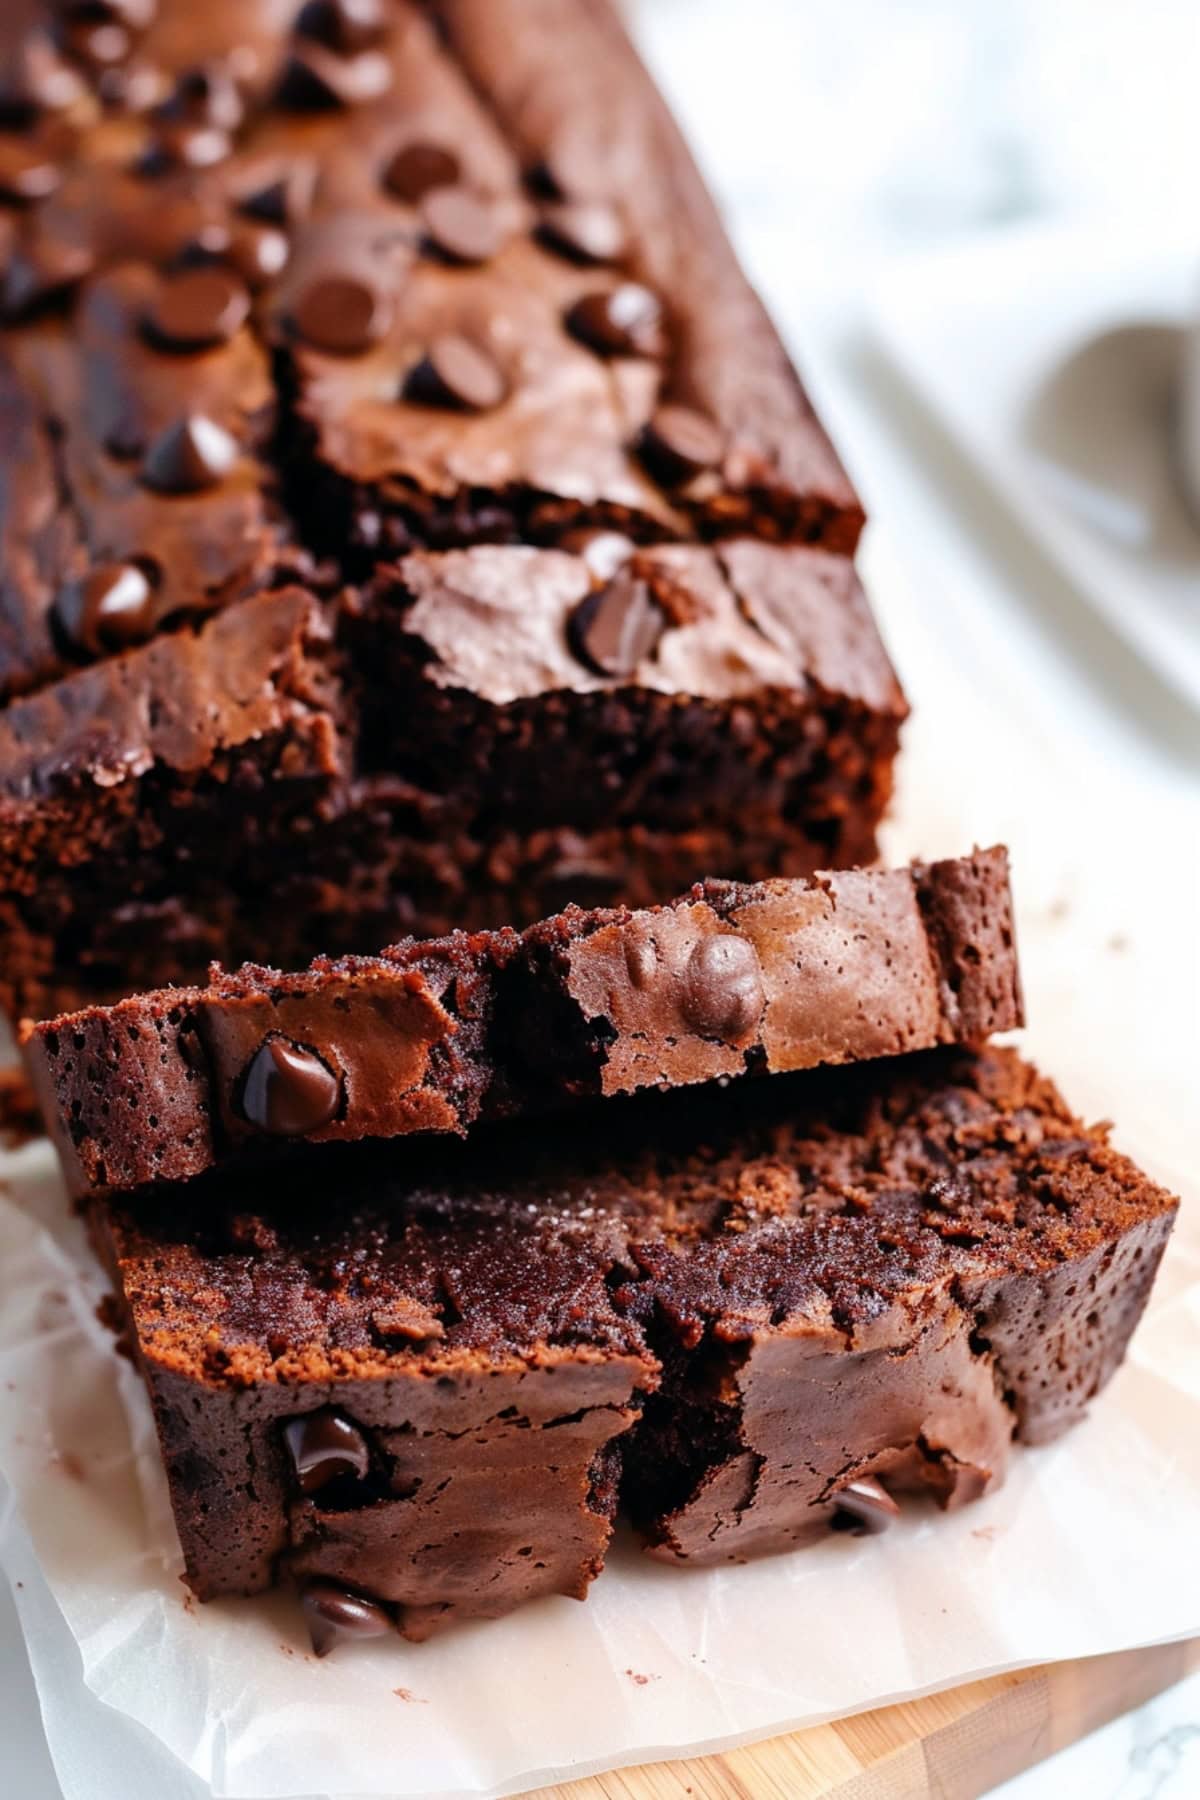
[[952, 1746]]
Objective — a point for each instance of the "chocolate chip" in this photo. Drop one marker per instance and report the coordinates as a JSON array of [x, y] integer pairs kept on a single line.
[[43, 273], [198, 309], [641, 957], [615, 628], [101, 46], [455, 372], [258, 253], [316, 78], [864, 1507], [135, 88], [344, 314], [284, 199], [602, 551], [36, 79], [460, 225], [621, 321], [333, 1612], [587, 231], [111, 608], [192, 454], [26, 173], [566, 170], [722, 988], [324, 1446], [347, 26], [287, 1090], [679, 442], [417, 168]]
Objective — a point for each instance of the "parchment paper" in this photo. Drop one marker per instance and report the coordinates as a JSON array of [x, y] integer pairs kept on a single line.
[[1090, 1547]]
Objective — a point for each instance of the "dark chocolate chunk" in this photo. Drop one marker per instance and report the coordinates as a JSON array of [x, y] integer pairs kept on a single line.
[[722, 988], [198, 309], [333, 1612], [417, 168], [111, 608], [621, 321], [287, 1090], [455, 372], [588, 231], [26, 173], [460, 225], [347, 26], [43, 273], [680, 442], [344, 314], [615, 628], [317, 78], [324, 1446], [602, 551], [864, 1507], [192, 454]]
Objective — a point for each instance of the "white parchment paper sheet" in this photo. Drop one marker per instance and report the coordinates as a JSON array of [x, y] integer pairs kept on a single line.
[[1090, 1547]]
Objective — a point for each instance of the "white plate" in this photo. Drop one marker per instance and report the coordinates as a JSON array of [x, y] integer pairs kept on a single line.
[[1054, 357]]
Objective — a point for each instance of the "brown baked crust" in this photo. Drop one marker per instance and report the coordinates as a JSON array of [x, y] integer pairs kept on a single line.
[[437, 1035], [753, 1299]]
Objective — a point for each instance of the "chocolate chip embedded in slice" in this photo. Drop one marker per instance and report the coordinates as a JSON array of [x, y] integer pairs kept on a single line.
[[324, 1446], [620, 321], [460, 225], [258, 253], [455, 372], [347, 26], [864, 1507], [418, 168], [722, 988], [679, 443], [603, 551], [615, 628], [287, 1090], [192, 454], [344, 314], [197, 309], [27, 174], [111, 608], [587, 231], [333, 1613]]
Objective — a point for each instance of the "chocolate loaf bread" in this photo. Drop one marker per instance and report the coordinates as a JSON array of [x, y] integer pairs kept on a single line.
[[755, 1315], [436, 1035], [288, 293]]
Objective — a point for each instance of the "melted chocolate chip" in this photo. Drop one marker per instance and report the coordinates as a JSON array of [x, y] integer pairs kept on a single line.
[[722, 988], [347, 26], [457, 373], [460, 225], [344, 314], [26, 173], [621, 321], [602, 551], [323, 1447], [287, 1090], [110, 609], [587, 231], [418, 168], [317, 78], [192, 454], [679, 443], [615, 628], [198, 309], [864, 1507], [333, 1612], [42, 274]]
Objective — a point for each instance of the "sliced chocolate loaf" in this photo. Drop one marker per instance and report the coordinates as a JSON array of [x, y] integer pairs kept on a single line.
[[436, 1035], [413, 1381]]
